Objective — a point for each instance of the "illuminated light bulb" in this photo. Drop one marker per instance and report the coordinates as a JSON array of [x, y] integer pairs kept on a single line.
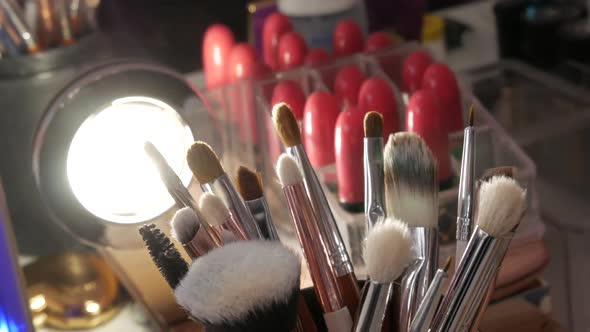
[[108, 169]]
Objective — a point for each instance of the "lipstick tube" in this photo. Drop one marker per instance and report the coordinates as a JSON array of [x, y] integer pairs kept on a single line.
[[374, 183], [419, 274], [348, 145], [427, 309], [224, 188], [466, 199], [330, 235], [482, 257], [375, 300]]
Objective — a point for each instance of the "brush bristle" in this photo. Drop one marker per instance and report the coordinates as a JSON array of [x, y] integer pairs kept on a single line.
[[373, 124], [213, 209], [249, 184], [164, 255], [203, 162], [286, 125], [507, 171], [387, 250], [411, 182], [288, 170], [502, 202], [471, 115], [185, 225], [241, 281]]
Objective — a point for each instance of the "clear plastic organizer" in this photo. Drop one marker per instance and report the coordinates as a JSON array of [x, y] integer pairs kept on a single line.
[[494, 146]]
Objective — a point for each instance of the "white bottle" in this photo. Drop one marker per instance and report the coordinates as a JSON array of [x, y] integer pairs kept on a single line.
[[315, 20]]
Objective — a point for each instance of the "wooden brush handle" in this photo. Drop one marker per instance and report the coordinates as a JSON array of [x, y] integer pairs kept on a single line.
[[306, 322], [350, 291]]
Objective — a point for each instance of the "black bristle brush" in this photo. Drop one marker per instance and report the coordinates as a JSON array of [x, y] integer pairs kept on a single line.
[[164, 254]]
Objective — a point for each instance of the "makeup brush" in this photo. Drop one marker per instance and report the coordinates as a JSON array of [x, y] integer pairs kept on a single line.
[[336, 314], [207, 169], [186, 229], [15, 18], [386, 255], [507, 171], [466, 198], [411, 191], [243, 286], [501, 206], [164, 255], [177, 190], [218, 215], [250, 187], [427, 308], [341, 265], [373, 163]]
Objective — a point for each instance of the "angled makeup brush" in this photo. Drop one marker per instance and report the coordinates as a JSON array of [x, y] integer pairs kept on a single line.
[[177, 190], [386, 255], [507, 171], [466, 196], [207, 169], [187, 230], [411, 191], [336, 314], [501, 206], [373, 163], [250, 187], [164, 255], [341, 265], [218, 215], [243, 286], [427, 308]]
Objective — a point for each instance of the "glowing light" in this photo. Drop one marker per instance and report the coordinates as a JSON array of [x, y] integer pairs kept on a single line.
[[92, 307], [37, 303], [217, 55], [107, 168]]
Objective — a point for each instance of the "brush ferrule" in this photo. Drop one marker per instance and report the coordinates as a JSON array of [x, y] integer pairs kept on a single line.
[[329, 233], [483, 256], [261, 213], [306, 225], [427, 308], [419, 274], [224, 188], [185, 197], [374, 185], [200, 245], [465, 203], [374, 305]]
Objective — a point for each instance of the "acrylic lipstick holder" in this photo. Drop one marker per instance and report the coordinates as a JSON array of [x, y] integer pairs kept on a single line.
[[494, 147]]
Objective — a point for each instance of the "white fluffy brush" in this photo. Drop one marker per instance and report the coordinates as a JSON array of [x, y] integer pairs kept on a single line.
[[243, 286]]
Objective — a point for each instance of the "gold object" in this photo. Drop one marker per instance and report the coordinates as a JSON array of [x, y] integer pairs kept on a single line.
[[72, 291]]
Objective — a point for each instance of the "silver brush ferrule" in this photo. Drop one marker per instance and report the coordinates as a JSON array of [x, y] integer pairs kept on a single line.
[[483, 256], [224, 188], [374, 183], [419, 274], [427, 309], [374, 302], [466, 199], [330, 234], [261, 213]]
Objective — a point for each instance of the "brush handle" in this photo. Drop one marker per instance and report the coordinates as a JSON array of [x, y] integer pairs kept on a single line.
[[375, 301], [350, 291], [306, 321], [338, 321], [329, 233], [374, 181]]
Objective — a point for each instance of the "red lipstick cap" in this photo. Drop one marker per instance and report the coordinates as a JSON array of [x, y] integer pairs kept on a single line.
[[217, 44], [319, 120], [347, 38], [275, 25], [413, 69], [292, 50], [377, 95], [347, 84], [442, 81]]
